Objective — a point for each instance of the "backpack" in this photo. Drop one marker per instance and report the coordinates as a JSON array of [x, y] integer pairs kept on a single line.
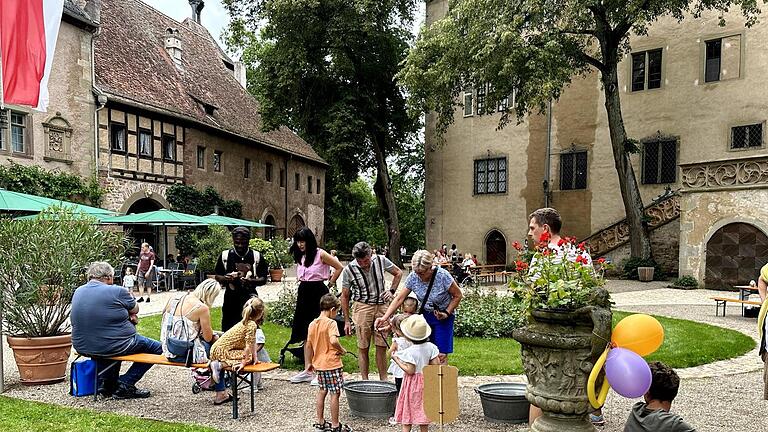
[[225, 256]]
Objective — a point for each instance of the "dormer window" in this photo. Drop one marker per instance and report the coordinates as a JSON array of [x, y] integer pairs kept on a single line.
[[209, 109]]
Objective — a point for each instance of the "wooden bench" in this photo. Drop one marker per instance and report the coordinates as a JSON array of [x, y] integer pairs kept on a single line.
[[235, 379], [724, 300]]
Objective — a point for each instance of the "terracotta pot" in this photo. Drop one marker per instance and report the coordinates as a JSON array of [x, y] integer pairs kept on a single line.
[[276, 275], [558, 352], [41, 360]]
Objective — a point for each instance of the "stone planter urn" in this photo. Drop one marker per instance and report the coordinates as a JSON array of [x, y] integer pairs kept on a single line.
[[559, 350], [41, 360]]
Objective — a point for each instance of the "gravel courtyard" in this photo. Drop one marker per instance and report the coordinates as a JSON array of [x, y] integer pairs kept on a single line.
[[725, 396]]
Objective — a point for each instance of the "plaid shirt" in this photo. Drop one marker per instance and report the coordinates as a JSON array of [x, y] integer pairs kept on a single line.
[[367, 286]]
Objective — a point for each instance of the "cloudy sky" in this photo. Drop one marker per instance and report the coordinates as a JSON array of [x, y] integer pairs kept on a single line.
[[215, 18]]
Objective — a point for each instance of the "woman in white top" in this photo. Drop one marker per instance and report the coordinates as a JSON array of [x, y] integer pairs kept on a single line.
[[193, 313]]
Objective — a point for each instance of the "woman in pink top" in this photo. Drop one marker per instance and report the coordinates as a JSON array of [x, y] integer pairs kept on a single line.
[[313, 268]]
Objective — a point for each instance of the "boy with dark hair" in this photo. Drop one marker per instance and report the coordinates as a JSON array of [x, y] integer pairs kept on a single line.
[[653, 415], [324, 349]]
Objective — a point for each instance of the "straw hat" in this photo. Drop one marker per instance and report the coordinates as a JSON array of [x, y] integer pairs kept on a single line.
[[415, 328]]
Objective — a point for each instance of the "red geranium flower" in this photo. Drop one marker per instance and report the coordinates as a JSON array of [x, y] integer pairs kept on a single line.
[[561, 242], [544, 238], [601, 260], [581, 260], [581, 246], [520, 265], [517, 245]]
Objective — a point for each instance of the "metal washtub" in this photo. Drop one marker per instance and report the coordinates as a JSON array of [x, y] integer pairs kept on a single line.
[[371, 399], [504, 402]]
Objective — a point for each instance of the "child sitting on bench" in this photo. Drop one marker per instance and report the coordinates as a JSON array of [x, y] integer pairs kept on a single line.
[[241, 345]]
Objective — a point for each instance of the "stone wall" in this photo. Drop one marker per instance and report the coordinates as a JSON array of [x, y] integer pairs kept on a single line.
[[666, 246], [121, 194]]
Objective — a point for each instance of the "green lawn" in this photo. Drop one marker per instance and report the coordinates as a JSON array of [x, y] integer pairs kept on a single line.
[[21, 415], [686, 343]]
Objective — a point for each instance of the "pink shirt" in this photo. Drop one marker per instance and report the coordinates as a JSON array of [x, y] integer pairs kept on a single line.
[[318, 271]]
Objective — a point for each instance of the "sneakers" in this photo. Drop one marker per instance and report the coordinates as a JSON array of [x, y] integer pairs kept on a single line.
[[215, 366], [314, 382], [127, 391], [148, 299], [392, 421], [140, 300], [302, 376], [597, 420]]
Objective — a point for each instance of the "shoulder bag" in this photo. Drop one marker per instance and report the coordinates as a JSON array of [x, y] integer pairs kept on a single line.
[[180, 349]]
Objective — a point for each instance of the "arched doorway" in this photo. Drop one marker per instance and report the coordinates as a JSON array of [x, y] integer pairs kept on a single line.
[[495, 248], [144, 233], [735, 254], [270, 232], [295, 224]]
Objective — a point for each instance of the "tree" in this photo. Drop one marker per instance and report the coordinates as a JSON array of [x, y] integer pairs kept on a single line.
[[326, 68], [534, 48]]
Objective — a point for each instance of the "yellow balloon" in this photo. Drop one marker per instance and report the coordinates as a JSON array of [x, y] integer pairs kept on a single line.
[[640, 333], [598, 401]]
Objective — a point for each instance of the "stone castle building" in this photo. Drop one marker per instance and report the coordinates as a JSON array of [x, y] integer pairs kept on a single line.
[[145, 102], [693, 93]]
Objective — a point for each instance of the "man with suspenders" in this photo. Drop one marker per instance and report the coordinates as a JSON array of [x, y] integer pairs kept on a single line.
[[363, 282]]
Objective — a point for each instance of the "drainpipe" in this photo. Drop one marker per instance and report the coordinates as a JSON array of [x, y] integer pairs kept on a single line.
[[547, 161], [101, 101], [285, 230]]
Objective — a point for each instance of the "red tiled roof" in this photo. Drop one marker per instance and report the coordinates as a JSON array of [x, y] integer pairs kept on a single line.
[[131, 62]]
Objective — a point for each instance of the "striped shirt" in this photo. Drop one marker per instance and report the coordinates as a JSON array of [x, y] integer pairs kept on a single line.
[[367, 286]]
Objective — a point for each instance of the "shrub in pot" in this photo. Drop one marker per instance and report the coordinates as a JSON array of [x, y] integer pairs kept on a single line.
[[43, 264], [275, 250], [209, 245]]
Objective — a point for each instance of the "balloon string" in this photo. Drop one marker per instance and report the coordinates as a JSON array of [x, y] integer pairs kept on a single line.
[[608, 342]]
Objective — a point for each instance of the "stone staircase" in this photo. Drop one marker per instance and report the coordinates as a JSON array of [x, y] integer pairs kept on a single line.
[[660, 212]]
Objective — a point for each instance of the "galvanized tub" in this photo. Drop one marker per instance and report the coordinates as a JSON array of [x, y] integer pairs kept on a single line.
[[504, 402], [371, 399]]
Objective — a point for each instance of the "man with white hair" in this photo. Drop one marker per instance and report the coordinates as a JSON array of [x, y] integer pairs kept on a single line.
[[104, 325], [363, 282]]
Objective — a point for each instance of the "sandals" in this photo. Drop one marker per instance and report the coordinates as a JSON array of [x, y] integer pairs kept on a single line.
[[324, 427], [341, 428], [227, 400]]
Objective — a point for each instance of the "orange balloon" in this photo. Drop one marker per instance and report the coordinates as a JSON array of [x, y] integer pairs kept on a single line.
[[640, 333]]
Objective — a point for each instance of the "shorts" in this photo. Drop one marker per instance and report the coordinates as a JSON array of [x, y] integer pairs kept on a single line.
[[363, 316], [142, 281], [331, 380], [442, 332]]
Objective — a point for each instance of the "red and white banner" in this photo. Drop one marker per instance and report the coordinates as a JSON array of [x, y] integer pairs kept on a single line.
[[28, 33]]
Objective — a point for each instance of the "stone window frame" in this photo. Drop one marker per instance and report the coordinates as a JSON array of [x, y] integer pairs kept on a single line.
[[661, 139], [703, 55], [200, 155], [476, 172], [297, 185], [317, 190], [574, 153], [246, 168], [283, 178], [645, 52], [309, 184], [268, 172], [742, 124], [217, 161]]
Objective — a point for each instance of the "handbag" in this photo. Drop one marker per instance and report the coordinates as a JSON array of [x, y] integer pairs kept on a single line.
[[82, 377], [181, 349]]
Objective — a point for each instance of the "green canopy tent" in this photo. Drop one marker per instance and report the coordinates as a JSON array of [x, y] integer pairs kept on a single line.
[[20, 202], [162, 217], [215, 219]]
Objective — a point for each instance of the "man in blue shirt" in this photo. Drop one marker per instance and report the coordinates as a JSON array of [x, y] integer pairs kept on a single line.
[[104, 325]]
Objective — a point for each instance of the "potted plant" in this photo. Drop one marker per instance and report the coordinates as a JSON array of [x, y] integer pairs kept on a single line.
[[276, 252], [43, 264], [569, 325]]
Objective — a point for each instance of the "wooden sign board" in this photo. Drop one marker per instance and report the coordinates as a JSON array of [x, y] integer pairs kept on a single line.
[[441, 393]]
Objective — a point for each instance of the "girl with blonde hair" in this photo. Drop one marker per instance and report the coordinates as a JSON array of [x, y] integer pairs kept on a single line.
[[240, 346]]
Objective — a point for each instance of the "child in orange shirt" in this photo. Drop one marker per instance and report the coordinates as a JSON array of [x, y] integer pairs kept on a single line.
[[324, 349]]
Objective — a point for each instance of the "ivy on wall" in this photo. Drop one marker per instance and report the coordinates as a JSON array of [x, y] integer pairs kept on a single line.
[[50, 184]]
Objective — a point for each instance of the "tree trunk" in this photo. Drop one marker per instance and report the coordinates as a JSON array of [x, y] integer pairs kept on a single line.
[[382, 187], [640, 241]]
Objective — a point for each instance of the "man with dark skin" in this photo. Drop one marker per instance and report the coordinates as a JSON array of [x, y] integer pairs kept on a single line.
[[239, 270]]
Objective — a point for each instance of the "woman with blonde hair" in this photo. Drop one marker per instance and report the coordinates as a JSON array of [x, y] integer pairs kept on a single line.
[[438, 296], [188, 317]]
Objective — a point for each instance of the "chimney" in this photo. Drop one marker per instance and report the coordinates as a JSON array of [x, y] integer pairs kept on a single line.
[[240, 74], [197, 8], [173, 45]]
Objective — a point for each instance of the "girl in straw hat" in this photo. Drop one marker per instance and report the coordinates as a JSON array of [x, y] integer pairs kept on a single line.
[[410, 401]]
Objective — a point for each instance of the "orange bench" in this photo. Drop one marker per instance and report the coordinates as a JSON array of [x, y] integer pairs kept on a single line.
[[235, 379]]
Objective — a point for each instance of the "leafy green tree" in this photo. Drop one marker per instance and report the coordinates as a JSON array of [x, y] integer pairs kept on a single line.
[[188, 199], [326, 68], [534, 48]]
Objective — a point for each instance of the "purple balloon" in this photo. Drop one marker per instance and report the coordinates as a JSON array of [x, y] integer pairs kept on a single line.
[[627, 373]]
